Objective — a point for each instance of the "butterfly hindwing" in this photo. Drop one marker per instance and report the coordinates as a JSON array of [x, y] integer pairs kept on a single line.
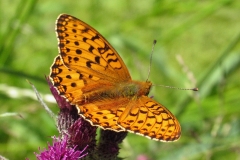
[[104, 113], [149, 118]]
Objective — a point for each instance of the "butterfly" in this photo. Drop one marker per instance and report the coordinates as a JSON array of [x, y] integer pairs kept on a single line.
[[90, 74]]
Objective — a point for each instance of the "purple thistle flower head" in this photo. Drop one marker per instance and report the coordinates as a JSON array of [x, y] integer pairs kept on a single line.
[[82, 134], [78, 137], [60, 151], [108, 144], [80, 131]]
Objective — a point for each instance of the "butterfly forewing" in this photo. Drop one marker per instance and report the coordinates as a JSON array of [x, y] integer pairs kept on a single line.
[[84, 49], [64, 79]]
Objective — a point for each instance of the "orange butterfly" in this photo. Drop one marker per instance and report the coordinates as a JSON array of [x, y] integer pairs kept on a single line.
[[90, 74]]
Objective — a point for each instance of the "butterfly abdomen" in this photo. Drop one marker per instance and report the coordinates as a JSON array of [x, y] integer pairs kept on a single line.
[[120, 90]]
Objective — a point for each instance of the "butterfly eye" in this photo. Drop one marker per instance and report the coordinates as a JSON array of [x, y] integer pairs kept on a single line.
[[147, 91]]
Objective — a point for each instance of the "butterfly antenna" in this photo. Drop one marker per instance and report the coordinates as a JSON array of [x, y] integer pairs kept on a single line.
[[149, 70], [193, 89]]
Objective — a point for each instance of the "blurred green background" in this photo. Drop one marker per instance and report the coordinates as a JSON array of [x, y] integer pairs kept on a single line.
[[198, 46]]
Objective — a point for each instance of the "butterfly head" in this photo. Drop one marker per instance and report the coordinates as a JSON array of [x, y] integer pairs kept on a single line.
[[144, 88]]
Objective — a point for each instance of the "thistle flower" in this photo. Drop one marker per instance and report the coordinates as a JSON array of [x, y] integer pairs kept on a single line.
[[77, 137], [60, 151], [81, 133]]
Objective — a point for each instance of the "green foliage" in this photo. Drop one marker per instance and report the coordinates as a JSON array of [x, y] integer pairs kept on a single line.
[[203, 35]]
